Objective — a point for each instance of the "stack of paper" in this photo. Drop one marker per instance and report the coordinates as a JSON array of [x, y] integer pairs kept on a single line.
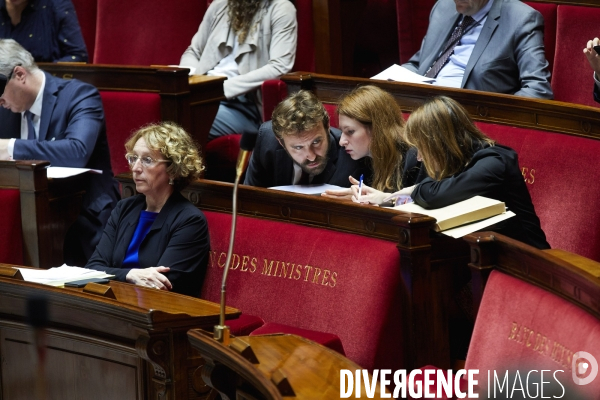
[[59, 275], [307, 189], [400, 74]]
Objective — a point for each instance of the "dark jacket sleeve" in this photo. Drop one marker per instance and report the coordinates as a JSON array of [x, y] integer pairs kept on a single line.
[[187, 253], [260, 168], [70, 40], [482, 177], [103, 257]]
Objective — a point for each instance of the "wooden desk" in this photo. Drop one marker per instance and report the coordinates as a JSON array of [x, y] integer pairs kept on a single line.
[[192, 102], [48, 208], [489, 107], [275, 357], [428, 261], [131, 347]]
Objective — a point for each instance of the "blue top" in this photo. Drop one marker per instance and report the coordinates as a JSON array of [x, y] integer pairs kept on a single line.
[[144, 224], [49, 30]]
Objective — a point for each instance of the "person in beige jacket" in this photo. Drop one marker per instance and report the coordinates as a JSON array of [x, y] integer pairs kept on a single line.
[[248, 41]]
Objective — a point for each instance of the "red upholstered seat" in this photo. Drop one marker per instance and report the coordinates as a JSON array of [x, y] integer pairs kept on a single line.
[[573, 77], [245, 324], [413, 20], [521, 326], [326, 339], [86, 15], [314, 279], [221, 156], [125, 112], [548, 11], [551, 164], [11, 234], [138, 32]]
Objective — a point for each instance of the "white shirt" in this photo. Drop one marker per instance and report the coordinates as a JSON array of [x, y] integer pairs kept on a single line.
[[452, 73], [36, 110]]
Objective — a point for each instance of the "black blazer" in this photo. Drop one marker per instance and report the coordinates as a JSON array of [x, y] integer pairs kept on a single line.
[[271, 165], [492, 172], [178, 239]]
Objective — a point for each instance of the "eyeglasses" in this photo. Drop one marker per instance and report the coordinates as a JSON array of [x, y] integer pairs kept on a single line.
[[146, 161]]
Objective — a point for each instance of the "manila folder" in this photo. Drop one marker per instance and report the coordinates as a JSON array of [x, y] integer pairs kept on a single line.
[[461, 213]]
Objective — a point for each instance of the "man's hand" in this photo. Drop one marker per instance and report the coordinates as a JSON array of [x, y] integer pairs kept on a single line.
[[150, 277], [593, 57], [4, 149]]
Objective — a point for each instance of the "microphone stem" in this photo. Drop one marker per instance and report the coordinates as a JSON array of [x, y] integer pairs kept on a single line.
[[229, 250]]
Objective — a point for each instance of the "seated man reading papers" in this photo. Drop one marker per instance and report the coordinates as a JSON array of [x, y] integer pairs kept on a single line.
[[298, 147], [491, 45]]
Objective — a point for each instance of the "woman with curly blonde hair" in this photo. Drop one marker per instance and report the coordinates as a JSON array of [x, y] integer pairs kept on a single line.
[[157, 239]]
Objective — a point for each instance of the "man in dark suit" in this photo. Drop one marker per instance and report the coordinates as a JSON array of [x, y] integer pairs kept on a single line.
[[62, 121], [500, 49], [298, 147]]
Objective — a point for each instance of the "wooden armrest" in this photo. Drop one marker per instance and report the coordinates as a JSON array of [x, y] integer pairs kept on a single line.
[[590, 266]]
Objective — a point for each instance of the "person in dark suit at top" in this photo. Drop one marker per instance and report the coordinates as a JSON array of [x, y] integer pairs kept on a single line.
[[48, 29], [453, 161], [490, 45], [594, 60], [298, 147], [62, 121], [157, 239]]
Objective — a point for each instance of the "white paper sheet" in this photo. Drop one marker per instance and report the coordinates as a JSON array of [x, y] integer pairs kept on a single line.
[[307, 189], [57, 276], [400, 74], [65, 172], [477, 226]]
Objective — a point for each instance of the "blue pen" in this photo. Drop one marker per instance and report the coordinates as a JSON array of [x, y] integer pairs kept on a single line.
[[360, 187]]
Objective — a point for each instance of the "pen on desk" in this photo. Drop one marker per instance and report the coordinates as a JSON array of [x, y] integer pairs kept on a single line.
[[360, 187]]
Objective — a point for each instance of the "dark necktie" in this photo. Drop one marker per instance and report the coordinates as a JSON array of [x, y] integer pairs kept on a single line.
[[450, 45], [30, 129], [304, 179]]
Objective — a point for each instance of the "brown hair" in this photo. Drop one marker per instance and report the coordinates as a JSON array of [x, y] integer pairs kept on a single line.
[[299, 112], [241, 14], [175, 145], [376, 109], [445, 135]]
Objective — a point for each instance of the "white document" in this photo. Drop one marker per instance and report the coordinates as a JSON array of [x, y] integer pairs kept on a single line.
[[57, 276], [65, 172], [400, 74], [192, 69], [477, 226], [307, 189]]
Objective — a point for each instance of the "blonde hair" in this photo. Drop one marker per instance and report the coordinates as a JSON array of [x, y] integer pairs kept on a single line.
[[377, 109], [175, 145], [445, 136], [299, 112]]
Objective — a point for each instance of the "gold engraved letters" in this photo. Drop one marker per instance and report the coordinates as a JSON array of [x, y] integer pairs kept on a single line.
[[276, 269]]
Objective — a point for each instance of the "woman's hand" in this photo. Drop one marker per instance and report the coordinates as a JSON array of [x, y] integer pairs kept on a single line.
[[150, 277], [407, 191], [368, 195]]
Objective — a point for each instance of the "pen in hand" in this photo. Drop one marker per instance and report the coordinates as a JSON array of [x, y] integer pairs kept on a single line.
[[360, 183]]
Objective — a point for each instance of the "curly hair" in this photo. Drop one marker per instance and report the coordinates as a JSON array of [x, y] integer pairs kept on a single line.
[[175, 145], [241, 14], [445, 135], [376, 109], [299, 112]]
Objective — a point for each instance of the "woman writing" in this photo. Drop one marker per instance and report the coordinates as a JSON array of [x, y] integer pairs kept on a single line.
[[372, 126], [158, 238], [48, 29], [455, 161]]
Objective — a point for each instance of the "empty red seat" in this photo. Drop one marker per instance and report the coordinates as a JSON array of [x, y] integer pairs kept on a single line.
[[11, 234], [326, 339]]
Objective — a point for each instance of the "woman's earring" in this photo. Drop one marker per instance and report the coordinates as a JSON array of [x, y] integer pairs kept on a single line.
[[171, 181]]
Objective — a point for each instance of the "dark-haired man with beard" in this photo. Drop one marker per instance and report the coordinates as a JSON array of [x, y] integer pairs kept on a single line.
[[298, 147]]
